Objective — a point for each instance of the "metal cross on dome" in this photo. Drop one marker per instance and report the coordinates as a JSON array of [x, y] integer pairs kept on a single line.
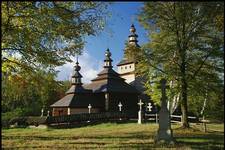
[[89, 108], [140, 104], [149, 106], [120, 106]]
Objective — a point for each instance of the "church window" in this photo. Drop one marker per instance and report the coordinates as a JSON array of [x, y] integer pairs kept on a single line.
[[130, 66], [121, 68], [126, 67]]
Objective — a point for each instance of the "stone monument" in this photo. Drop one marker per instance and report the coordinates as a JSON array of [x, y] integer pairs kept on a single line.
[[164, 134], [139, 112]]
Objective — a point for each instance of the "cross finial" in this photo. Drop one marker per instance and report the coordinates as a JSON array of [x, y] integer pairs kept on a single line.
[[132, 19]]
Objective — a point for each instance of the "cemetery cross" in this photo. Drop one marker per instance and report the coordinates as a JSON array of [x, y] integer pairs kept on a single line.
[[139, 112], [89, 108], [120, 106], [149, 107], [164, 133]]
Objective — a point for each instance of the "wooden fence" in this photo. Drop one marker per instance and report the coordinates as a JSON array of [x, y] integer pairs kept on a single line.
[[174, 118], [87, 117], [103, 116]]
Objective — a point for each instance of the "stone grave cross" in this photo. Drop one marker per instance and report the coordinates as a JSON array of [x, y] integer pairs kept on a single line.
[[89, 108], [139, 112], [140, 104], [149, 107], [120, 106], [165, 133]]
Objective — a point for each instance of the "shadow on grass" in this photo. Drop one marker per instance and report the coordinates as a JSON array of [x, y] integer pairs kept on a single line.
[[133, 140], [129, 136], [209, 141]]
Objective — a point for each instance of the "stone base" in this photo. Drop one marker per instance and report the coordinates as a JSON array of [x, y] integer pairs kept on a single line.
[[165, 136]]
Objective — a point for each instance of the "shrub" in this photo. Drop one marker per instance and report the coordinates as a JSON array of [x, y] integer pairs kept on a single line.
[[6, 117], [36, 120]]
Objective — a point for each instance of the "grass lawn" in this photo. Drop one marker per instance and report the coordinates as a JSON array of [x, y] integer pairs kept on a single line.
[[112, 136]]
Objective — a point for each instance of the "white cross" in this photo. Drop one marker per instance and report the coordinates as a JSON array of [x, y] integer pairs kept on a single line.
[[120, 106], [42, 112], [89, 108], [149, 107], [140, 104]]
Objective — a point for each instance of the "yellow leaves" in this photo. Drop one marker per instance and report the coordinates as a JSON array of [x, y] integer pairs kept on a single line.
[[9, 65], [220, 22], [10, 78]]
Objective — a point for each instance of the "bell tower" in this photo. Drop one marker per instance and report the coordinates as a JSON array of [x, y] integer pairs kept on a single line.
[[126, 67]]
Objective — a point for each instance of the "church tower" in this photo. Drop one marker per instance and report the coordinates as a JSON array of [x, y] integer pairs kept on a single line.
[[126, 67], [126, 70]]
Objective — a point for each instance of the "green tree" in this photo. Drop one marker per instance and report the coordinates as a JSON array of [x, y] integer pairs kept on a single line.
[[186, 46], [47, 33], [132, 52], [26, 93]]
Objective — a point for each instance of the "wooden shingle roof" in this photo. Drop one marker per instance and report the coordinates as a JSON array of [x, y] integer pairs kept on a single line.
[[109, 81]]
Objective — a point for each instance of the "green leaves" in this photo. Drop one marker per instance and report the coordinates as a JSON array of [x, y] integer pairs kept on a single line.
[[186, 47], [42, 32]]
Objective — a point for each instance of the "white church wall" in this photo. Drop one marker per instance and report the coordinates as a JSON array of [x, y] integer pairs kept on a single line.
[[126, 68], [128, 78]]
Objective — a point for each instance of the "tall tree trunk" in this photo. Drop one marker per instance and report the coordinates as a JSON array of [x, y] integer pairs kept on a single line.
[[184, 110], [184, 85]]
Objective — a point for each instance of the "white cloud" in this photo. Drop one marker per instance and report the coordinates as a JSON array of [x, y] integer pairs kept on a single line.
[[90, 67]]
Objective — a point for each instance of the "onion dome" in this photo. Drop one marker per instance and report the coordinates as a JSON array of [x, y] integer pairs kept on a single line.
[[76, 77], [133, 36], [108, 60]]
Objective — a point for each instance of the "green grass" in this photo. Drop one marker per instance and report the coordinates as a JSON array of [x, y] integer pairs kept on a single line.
[[112, 136]]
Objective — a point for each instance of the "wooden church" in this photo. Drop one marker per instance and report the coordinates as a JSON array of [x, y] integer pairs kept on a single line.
[[104, 93], [107, 90]]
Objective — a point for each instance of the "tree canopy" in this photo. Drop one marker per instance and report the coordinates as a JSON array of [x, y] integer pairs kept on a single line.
[[186, 46], [37, 37], [47, 33]]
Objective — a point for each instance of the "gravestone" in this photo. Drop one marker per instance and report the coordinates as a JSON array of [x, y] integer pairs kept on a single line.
[[139, 112], [164, 134]]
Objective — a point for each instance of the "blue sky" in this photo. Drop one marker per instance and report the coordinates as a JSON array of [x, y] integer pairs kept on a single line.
[[113, 37]]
